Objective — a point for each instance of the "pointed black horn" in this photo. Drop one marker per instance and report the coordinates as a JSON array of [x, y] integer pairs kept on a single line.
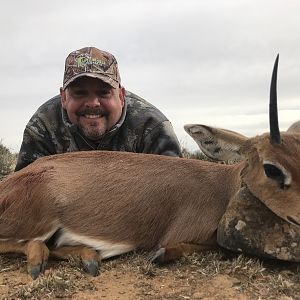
[[273, 113]]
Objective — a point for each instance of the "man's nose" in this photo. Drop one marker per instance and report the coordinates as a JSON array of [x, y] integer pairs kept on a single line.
[[93, 101]]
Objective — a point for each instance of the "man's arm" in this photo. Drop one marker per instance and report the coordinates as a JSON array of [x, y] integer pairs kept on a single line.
[[36, 143], [162, 140]]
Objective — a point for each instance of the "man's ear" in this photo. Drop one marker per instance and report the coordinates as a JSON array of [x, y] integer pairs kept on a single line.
[[62, 97], [122, 95]]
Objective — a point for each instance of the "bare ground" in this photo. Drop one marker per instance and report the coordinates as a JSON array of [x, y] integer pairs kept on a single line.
[[217, 275]]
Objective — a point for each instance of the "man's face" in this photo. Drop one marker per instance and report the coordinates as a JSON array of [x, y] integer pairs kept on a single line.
[[93, 105]]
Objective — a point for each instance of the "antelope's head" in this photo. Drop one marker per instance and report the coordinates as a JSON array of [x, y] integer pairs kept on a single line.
[[271, 162]]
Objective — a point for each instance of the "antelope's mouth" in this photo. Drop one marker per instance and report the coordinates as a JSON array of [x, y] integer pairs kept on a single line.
[[293, 221]]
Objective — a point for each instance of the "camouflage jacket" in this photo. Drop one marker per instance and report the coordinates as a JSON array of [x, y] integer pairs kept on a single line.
[[142, 128]]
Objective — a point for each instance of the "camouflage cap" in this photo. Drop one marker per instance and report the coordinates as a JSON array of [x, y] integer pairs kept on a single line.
[[91, 62]]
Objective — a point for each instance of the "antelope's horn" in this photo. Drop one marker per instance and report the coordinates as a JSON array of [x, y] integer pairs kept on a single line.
[[273, 113]]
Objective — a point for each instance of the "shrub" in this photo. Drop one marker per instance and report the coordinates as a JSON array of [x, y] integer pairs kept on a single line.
[[7, 160], [195, 154]]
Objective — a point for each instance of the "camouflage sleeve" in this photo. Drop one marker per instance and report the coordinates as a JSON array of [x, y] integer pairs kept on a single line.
[[36, 143], [162, 140]]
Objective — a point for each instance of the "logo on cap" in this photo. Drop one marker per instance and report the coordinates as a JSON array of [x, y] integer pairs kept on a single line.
[[83, 61]]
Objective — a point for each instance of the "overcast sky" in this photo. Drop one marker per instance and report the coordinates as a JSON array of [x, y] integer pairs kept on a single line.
[[199, 61]]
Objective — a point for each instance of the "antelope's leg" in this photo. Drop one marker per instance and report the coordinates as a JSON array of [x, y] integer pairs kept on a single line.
[[90, 258], [171, 252], [37, 256], [12, 247], [36, 251]]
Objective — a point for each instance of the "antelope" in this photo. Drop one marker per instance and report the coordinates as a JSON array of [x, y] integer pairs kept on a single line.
[[295, 127], [102, 204]]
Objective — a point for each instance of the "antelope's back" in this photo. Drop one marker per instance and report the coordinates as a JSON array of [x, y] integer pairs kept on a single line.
[[97, 193]]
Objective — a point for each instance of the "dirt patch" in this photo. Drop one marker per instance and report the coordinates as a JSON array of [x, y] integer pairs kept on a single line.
[[207, 276]]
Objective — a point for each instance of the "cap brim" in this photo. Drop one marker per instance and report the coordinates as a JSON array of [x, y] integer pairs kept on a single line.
[[102, 77]]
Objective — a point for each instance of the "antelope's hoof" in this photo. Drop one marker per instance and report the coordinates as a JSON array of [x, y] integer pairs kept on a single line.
[[158, 256], [34, 271], [91, 266]]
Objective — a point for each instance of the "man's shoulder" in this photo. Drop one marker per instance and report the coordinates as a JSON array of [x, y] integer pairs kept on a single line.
[[140, 107], [53, 104], [48, 115]]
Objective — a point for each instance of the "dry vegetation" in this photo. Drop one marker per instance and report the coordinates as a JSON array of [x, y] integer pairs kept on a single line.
[[217, 275], [7, 161]]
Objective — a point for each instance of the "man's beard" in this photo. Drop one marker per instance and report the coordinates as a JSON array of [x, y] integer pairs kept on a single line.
[[92, 132]]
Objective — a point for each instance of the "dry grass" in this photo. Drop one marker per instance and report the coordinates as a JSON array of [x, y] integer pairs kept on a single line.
[[194, 155], [251, 277]]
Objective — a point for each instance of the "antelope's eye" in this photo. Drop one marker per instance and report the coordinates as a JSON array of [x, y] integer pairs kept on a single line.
[[275, 173]]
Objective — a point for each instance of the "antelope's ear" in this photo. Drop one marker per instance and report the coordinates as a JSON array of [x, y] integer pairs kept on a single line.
[[294, 128], [216, 143]]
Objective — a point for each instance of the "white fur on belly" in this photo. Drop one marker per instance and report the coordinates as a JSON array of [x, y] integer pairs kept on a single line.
[[107, 249]]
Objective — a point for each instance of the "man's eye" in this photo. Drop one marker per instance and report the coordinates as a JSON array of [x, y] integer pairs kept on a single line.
[[80, 93], [103, 93]]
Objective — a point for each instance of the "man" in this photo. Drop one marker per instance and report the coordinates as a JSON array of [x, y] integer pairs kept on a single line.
[[94, 112]]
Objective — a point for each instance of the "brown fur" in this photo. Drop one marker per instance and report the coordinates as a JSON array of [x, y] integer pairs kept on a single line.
[[133, 196], [283, 202]]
